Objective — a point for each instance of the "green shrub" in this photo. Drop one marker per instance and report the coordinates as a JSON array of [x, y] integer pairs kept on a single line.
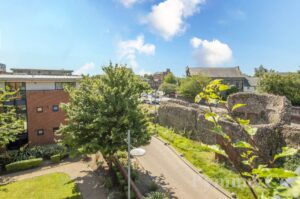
[[55, 158], [24, 164], [45, 151], [156, 195]]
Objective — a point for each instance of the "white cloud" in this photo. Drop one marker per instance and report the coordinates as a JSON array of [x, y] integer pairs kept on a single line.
[[85, 69], [128, 3], [168, 17], [129, 48], [211, 53]]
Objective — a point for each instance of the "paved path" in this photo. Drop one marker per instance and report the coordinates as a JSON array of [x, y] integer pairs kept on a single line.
[[177, 176], [90, 184]]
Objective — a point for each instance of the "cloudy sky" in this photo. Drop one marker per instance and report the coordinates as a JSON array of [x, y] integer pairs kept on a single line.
[[150, 35]]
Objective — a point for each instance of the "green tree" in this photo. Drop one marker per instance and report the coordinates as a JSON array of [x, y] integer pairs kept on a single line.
[[102, 110], [170, 78], [191, 86], [285, 85], [258, 72], [244, 150], [168, 88], [10, 124]]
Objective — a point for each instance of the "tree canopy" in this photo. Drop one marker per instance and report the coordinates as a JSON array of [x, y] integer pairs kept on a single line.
[[170, 78], [258, 72], [102, 110], [168, 88], [286, 85], [190, 87], [10, 124]]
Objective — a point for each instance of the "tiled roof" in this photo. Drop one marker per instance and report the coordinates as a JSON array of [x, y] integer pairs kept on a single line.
[[217, 72]]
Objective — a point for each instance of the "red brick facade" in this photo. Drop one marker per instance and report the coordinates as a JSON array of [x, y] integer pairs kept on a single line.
[[47, 119]]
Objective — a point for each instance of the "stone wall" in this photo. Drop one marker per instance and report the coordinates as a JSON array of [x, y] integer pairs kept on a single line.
[[296, 115], [270, 114]]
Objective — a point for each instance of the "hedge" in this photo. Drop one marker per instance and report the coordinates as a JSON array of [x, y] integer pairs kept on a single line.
[[24, 164], [55, 158]]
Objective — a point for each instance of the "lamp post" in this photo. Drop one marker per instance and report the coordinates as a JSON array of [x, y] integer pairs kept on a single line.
[[133, 152]]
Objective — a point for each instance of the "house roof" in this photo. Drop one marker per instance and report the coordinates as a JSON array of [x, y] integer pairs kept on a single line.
[[219, 72], [43, 78], [252, 81]]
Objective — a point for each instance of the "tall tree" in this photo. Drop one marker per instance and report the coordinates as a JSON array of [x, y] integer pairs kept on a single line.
[[170, 78], [102, 110], [258, 72], [286, 85], [190, 87], [10, 124]]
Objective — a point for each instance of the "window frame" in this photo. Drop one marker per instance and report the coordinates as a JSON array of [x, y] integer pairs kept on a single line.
[[40, 134]]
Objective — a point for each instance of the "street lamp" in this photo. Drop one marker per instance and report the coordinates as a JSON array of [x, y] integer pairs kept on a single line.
[[133, 152]]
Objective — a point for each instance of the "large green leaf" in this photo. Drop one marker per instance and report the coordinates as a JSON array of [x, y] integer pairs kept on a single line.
[[250, 130], [273, 173], [286, 151], [214, 148], [236, 106], [243, 122], [211, 117], [223, 87], [242, 144]]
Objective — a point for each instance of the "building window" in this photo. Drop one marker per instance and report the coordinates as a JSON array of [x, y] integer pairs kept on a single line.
[[40, 132], [55, 129], [55, 108], [39, 109], [61, 85]]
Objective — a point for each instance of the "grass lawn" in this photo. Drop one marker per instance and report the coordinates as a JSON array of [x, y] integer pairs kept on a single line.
[[205, 160], [50, 186]]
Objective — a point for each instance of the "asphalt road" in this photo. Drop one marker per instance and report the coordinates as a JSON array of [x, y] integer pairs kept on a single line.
[[175, 175]]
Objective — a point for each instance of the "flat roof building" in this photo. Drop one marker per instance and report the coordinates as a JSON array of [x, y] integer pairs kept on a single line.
[[38, 101]]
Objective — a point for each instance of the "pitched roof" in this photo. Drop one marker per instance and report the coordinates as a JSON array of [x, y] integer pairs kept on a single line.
[[251, 81], [217, 72]]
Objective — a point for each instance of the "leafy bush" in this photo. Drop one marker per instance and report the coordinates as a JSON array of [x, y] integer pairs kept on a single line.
[[55, 158], [170, 78], [36, 152], [286, 85], [156, 195], [191, 86], [168, 88], [24, 164]]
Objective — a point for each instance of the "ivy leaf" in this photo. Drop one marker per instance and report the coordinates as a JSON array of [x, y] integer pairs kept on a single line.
[[250, 130], [223, 87], [286, 151], [236, 106], [273, 173], [242, 144], [214, 148]]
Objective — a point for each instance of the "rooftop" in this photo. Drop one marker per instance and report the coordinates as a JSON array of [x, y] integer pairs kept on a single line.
[[217, 72]]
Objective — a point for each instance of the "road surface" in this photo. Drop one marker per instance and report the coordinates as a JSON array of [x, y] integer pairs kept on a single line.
[[183, 182]]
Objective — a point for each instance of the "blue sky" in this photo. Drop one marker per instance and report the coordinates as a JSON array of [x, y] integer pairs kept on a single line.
[[150, 35]]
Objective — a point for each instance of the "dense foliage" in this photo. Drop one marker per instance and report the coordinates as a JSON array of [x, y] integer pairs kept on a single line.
[[168, 88], [191, 86], [170, 78], [27, 153], [23, 164], [102, 110], [10, 124], [286, 85], [260, 71], [245, 152]]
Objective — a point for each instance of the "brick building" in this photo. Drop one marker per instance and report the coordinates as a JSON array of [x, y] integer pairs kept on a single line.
[[38, 100]]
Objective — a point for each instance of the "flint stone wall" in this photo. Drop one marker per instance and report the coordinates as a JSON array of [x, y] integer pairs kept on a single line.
[[270, 114]]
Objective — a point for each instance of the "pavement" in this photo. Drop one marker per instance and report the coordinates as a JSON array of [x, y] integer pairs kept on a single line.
[[176, 175], [89, 183]]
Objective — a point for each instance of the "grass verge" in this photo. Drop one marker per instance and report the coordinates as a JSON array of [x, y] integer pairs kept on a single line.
[[50, 186], [205, 161]]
